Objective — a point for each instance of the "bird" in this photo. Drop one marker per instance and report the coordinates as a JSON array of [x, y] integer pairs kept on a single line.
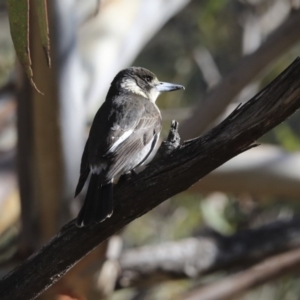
[[123, 134]]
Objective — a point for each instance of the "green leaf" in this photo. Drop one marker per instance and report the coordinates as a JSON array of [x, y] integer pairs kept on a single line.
[[41, 8], [18, 13]]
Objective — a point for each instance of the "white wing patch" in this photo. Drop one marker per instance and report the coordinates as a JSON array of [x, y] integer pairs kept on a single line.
[[120, 140]]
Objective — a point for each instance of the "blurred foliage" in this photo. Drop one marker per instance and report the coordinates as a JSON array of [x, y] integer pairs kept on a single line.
[[174, 219], [287, 288], [8, 242], [287, 137]]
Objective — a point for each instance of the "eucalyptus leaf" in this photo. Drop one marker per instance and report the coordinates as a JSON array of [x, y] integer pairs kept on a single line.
[[18, 13], [41, 8]]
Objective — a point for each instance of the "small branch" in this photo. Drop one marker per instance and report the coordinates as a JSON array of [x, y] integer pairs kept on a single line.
[[162, 179], [205, 254], [235, 285]]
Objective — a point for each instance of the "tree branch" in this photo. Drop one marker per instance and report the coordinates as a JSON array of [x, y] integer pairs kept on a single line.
[[165, 177], [205, 254]]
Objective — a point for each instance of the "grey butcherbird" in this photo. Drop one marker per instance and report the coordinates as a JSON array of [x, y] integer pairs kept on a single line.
[[124, 132]]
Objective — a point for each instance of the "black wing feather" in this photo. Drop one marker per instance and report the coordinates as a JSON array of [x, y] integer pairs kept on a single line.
[[84, 170]]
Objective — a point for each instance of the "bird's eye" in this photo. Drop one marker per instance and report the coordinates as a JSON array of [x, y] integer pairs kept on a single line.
[[148, 78]]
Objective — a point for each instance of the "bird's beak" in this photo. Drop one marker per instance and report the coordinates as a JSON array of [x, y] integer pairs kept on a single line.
[[168, 87]]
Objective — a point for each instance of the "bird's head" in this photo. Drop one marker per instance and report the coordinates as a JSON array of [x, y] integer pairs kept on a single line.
[[142, 82]]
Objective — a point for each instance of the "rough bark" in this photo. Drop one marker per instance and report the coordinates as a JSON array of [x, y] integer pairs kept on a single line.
[[168, 175]]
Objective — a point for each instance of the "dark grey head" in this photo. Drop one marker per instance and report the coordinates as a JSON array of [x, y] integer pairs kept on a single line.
[[143, 82]]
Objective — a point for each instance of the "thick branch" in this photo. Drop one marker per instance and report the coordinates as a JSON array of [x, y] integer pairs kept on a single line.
[[165, 177], [205, 254], [249, 67]]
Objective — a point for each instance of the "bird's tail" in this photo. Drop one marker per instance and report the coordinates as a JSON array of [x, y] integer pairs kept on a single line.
[[98, 203]]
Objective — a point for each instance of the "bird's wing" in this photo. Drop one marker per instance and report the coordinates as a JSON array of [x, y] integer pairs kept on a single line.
[[117, 134], [146, 131], [114, 122], [110, 127]]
